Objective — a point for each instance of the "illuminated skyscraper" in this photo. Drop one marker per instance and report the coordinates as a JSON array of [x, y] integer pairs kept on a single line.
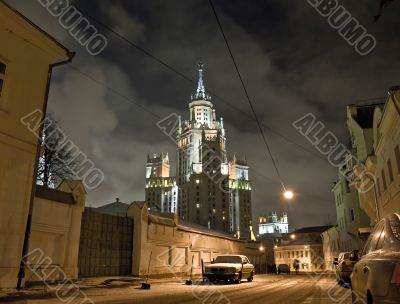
[[212, 192]]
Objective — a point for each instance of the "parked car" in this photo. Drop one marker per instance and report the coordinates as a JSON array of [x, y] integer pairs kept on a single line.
[[230, 268], [344, 268], [376, 275], [283, 268]]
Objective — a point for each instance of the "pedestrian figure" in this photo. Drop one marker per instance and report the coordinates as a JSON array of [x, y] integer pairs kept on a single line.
[[296, 265]]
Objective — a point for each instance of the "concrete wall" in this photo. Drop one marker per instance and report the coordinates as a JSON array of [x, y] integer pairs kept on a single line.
[[55, 234], [27, 53], [173, 245]]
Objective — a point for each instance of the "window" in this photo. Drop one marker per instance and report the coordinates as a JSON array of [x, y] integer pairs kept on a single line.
[[383, 180], [352, 216], [389, 165], [2, 76], [397, 154]]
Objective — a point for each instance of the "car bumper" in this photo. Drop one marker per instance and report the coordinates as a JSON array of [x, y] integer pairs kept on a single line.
[[221, 276]]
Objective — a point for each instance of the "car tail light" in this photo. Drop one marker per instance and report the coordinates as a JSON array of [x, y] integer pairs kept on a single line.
[[396, 275]]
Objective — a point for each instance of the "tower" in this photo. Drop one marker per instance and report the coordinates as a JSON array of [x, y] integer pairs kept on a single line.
[[161, 191], [202, 164], [209, 191], [240, 197]]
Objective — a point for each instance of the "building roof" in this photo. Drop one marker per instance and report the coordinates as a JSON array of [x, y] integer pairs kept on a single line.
[[117, 208], [314, 229], [54, 195]]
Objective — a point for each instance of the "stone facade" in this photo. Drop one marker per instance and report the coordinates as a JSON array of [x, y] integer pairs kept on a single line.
[[27, 55]]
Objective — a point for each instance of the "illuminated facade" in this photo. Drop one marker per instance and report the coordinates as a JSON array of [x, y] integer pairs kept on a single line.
[[211, 191], [274, 223]]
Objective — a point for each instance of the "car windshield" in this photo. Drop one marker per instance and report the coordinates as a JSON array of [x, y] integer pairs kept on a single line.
[[228, 259]]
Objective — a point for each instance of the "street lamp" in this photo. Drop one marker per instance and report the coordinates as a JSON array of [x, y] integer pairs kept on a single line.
[[288, 194], [292, 236]]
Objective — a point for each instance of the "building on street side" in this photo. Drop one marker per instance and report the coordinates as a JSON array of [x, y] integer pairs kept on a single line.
[[383, 197], [27, 57]]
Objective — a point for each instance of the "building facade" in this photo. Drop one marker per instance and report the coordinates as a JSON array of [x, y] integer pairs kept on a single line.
[[27, 57], [274, 223], [306, 246], [350, 216], [383, 163], [208, 189]]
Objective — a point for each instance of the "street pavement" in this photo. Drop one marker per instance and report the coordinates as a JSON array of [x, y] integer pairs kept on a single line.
[[306, 289]]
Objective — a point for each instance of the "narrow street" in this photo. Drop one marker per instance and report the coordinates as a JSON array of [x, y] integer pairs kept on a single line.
[[264, 289]]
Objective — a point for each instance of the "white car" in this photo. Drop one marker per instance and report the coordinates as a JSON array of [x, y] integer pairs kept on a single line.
[[230, 268]]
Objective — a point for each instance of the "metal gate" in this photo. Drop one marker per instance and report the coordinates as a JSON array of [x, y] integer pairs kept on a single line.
[[105, 247]]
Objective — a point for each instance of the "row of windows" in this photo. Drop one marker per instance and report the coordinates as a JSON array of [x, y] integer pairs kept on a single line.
[[293, 254], [382, 181]]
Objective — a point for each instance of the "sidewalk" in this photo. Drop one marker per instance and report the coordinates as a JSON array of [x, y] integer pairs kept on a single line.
[[47, 292]]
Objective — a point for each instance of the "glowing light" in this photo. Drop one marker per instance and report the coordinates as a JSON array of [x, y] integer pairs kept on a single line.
[[288, 194], [292, 236], [261, 248], [276, 246], [306, 247]]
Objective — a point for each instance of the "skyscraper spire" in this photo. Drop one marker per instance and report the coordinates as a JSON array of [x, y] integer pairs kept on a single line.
[[200, 91]]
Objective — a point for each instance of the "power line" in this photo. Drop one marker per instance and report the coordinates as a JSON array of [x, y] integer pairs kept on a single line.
[[176, 71], [247, 95]]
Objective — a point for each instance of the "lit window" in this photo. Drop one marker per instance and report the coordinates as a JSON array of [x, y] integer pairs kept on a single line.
[[2, 76], [213, 210], [197, 206], [197, 181]]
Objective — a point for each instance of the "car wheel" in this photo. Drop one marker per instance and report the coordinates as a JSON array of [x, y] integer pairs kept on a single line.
[[239, 278], [250, 278]]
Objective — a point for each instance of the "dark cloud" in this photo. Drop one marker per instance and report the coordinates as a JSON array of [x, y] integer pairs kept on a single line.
[[292, 62]]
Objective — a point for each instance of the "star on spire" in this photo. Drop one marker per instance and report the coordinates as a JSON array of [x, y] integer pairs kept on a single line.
[[201, 91]]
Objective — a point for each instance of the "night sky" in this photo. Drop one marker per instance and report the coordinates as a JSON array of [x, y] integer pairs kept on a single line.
[[292, 61]]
